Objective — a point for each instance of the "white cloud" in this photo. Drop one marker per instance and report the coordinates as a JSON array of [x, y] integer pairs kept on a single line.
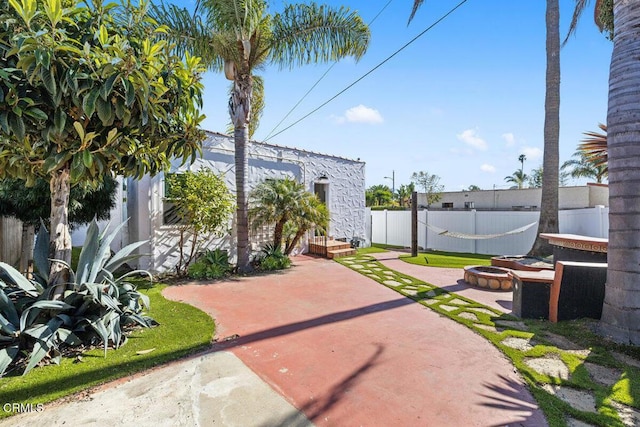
[[360, 114], [470, 137], [485, 167], [509, 138], [532, 153]]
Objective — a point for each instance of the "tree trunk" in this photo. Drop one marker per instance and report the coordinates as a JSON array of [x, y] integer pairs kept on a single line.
[[239, 110], [621, 311], [548, 222], [60, 241], [26, 253], [295, 241], [277, 231]]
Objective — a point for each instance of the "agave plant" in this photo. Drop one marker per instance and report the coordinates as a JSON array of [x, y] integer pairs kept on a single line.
[[95, 308]]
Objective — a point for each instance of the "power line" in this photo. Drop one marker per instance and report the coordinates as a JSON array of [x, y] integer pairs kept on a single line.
[[320, 79], [371, 71]]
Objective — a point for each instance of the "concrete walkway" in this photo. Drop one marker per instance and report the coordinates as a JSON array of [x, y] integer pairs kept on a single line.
[[318, 344]]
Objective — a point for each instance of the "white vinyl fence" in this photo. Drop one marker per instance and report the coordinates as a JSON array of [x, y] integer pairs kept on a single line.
[[394, 228]]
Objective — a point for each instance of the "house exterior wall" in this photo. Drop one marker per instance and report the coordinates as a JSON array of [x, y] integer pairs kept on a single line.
[[587, 196], [344, 180]]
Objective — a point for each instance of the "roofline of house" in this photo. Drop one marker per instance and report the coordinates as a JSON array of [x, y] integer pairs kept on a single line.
[[288, 148]]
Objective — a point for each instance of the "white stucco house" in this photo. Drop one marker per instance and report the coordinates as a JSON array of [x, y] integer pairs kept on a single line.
[[337, 181]]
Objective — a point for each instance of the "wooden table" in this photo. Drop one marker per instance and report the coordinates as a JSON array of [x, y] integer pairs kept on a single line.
[[573, 247]]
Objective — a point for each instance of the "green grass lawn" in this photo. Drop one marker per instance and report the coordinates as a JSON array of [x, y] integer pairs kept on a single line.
[[447, 259], [183, 330], [371, 250]]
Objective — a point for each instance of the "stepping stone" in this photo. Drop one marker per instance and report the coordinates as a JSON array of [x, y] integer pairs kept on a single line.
[[521, 344], [483, 310], [364, 270], [470, 316], [357, 266], [392, 283], [561, 342], [512, 324], [572, 422], [628, 415], [458, 301], [373, 276], [405, 280], [429, 294], [602, 374], [390, 273], [409, 291], [449, 308], [578, 399], [621, 357], [348, 258], [429, 301], [372, 265], [551, 366], [377, 269], [486, 327], [347, 261]]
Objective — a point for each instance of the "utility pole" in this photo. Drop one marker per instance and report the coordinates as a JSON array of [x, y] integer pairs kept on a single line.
[[393, 181]]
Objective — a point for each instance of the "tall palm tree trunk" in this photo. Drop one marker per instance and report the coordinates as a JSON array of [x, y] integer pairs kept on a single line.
[[239, 110], [60, 238], [621, 311], [548, 222]]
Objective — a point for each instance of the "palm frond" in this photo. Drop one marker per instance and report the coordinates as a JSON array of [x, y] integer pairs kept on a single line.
[[581, 5], [188, 33], [594, 146], [309, 33], [416, 6]]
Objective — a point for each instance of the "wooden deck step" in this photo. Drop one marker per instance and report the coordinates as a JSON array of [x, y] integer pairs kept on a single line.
[[337, 253]]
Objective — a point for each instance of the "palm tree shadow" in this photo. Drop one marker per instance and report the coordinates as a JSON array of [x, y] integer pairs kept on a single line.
[[317, 408], [508, 396]]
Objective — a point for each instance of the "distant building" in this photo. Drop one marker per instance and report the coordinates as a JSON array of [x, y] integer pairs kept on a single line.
[[588, 196]]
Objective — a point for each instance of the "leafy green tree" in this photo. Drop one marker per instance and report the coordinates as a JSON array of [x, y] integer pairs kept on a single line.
[[33, 204], [203, 205], [473, 187], [537, 176], [85, 90], [378, 195], [404, 193], [430, 185], [241, 37]]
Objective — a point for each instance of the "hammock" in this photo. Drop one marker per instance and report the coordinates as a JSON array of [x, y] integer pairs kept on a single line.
[[443, 232]]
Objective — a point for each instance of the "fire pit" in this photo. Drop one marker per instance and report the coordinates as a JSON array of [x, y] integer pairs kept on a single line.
[[483, 276], [521, 262]]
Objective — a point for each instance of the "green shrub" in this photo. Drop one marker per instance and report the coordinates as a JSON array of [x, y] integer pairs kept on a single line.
[[211, 265], [272, 258], [96, 307]]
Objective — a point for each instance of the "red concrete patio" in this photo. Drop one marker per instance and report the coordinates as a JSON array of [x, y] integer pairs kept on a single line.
[[348, 351]]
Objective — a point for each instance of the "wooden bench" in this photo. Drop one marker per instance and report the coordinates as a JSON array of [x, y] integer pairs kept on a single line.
[[577, 290]]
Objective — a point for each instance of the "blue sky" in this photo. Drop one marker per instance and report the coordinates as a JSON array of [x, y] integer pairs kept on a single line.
[[462, 102]]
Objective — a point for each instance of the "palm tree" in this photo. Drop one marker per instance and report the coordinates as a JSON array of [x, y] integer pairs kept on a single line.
[[581, 166], [275, 202], [521, 159], [378, 195], [239, 37], [548, 222], [518, 178], [404, 193], [594, 147], [312, 213], [621, 311]]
